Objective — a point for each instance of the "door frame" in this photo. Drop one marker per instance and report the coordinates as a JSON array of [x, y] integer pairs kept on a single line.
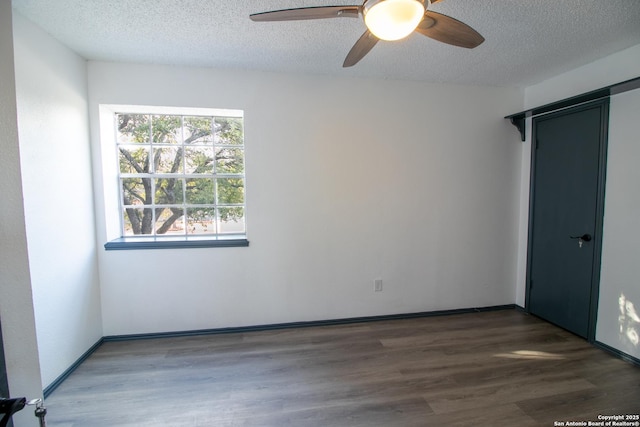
[[603, 104], [4, 384]]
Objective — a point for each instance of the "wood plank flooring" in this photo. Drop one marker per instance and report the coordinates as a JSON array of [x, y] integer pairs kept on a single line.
[[502, 368]]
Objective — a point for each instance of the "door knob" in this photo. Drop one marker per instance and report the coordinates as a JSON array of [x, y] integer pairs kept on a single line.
[[585, 237]]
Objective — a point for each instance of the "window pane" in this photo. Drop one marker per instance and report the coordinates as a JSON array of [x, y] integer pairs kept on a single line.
[[199, 191], [133, 128], [231, 220], [169, 191], [197, 130], [170, 221], [230, 160], [228, 130], [181, 175], [166, 129], [136, 191], [230, 191], [199, 159], [134, 159], [137, 221], [201, 221], [168, 159]]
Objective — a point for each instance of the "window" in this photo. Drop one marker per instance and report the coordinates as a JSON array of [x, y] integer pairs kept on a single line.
[[180, 177]]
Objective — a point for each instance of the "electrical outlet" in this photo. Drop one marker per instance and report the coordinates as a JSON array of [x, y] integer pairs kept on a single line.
[[377, 285]]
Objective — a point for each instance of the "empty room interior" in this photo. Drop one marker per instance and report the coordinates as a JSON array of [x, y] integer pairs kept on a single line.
[[268, 213]]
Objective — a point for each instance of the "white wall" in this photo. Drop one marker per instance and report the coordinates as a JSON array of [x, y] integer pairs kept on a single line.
[[613, 69], [621, 214], [523, 217], [619, 308], [347, 181], [16, 308], [53, 124]]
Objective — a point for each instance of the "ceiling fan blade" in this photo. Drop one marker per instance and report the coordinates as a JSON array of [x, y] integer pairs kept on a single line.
[[318, 12], [364, 44], [448, 30]]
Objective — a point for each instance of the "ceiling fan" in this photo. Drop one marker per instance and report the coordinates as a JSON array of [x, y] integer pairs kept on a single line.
[[385, 20]]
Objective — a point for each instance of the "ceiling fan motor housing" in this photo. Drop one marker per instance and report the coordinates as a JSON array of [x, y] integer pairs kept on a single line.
[[368, 4]]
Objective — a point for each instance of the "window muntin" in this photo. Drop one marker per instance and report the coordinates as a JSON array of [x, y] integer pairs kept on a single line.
[[180, 175]]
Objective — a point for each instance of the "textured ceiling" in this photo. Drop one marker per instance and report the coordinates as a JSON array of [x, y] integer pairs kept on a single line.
[[527, 41]]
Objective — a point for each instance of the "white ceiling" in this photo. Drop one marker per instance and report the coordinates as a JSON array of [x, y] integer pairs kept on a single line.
[[527, 41]]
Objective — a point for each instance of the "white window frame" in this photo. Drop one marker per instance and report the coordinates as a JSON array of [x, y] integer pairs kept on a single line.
[[112, 192]]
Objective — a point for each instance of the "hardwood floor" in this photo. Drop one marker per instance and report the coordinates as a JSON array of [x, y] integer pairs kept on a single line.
[[501, 368]]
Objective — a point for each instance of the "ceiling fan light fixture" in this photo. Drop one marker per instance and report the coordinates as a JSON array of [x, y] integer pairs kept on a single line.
[[393, 19]]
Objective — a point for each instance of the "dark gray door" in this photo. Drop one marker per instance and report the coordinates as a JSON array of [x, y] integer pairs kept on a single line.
[[566, 216]]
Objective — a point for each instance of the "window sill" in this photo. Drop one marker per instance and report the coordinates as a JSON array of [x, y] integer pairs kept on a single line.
[[134, 243]]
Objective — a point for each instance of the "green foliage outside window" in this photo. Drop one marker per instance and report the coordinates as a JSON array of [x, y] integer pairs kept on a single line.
[[181, 174]]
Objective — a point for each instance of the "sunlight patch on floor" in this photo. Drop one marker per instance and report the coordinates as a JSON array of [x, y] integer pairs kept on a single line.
[[531, 355]]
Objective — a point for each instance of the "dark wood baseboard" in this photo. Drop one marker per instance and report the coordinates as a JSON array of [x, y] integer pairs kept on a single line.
[[311, 323], [619, 354], [51, 387]]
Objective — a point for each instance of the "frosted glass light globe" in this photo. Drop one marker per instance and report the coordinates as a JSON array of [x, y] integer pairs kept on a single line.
[[393, 19]]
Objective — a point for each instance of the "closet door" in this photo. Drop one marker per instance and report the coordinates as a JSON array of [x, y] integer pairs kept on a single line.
[[569, 157]]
